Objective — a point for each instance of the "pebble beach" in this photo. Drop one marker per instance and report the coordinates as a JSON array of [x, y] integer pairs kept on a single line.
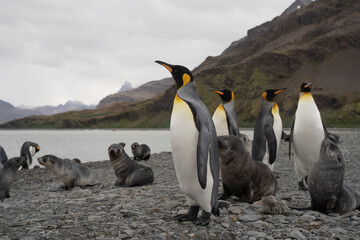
[[39, 209]]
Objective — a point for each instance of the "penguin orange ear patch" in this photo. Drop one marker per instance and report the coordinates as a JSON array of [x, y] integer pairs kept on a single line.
[[264, 95], [186, 79]]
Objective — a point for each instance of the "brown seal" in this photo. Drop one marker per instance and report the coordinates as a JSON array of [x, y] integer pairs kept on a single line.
[[69, 173], [8, 174], [242, 176], [129, 173], [140, 151]]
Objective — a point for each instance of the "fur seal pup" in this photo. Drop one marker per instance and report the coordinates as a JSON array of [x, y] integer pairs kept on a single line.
[[242, 176], [28, 150], [8, 174], [70, 174], [129, 173], [326, 182], [140, 151]]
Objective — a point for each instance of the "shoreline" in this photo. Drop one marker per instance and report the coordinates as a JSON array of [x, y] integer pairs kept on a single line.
[[37, 208]]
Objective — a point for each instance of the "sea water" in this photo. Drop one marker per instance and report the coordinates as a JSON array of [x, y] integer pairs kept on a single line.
[[87, 145]]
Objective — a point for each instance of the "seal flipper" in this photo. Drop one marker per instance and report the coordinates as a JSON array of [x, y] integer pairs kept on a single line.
[[301, 208], [226, 193]]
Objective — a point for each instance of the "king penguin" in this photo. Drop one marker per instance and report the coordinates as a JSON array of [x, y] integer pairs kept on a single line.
[[268, 129], [224, 117], [306, 134], [194, 148], [28, 150]]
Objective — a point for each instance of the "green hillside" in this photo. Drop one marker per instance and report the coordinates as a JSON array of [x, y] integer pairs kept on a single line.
[[319, 44]]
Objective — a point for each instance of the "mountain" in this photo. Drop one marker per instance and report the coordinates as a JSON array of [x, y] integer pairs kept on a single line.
[[319, 43], [125, 87], [143, 92], [296, 6], [68, 106], [9, 112]]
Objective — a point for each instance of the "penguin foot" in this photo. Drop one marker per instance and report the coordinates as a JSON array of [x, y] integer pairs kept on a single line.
[[302, 186], [204, 220], [191, 215]]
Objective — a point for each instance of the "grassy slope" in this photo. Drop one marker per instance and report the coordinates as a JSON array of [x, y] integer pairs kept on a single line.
[[320, 44]]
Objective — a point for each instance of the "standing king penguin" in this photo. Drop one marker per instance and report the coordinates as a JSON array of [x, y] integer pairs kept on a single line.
[[194, 148], [224, 116], [306, 134], [268, 129], [28, 150]]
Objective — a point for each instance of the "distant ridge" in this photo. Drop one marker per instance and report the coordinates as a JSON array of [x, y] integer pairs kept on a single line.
[[141, 93], [296, 6], [319, 43]]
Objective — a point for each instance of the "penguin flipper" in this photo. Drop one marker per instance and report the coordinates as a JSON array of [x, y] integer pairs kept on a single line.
[[271, 139], [202, 155], [325, 130], [232, 127], [291, 137]]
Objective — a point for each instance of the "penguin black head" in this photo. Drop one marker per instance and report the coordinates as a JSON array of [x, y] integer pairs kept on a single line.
[[305, 87], [270, 94], [225, 94], [181, 74]]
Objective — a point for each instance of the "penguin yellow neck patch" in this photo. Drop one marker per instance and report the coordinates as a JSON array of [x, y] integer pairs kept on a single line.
[[306, 96], [275, 109], [177, 99], [221, 107], [186, 79]]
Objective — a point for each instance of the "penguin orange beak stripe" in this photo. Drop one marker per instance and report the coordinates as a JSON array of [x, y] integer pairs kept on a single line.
[[280, 90], [216, 91], [306, 86], [164, 65]]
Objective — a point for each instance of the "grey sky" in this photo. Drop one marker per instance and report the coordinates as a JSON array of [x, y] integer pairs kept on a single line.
[[59, 50]]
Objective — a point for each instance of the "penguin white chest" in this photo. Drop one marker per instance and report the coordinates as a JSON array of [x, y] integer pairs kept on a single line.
[[220, 122], [308, 134], [277, 126], [184, 140]]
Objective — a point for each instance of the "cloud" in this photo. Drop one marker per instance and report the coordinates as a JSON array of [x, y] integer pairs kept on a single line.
[[53, 51]]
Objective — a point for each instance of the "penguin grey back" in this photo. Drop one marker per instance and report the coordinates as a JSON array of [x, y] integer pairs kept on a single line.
[[263, 128], [231, 119], [25, 152]]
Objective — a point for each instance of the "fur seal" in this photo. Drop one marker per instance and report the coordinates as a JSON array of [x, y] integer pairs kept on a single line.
[[28, 150], [242, 176], [8, 174], [3, 157], [140, 151], [129, 173], [70, 174], [326, 182]]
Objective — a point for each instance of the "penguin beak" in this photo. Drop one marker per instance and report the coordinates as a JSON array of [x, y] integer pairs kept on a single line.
[[37, 149], [307, 86], [280, 90], [216, 91], [166, 65]]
